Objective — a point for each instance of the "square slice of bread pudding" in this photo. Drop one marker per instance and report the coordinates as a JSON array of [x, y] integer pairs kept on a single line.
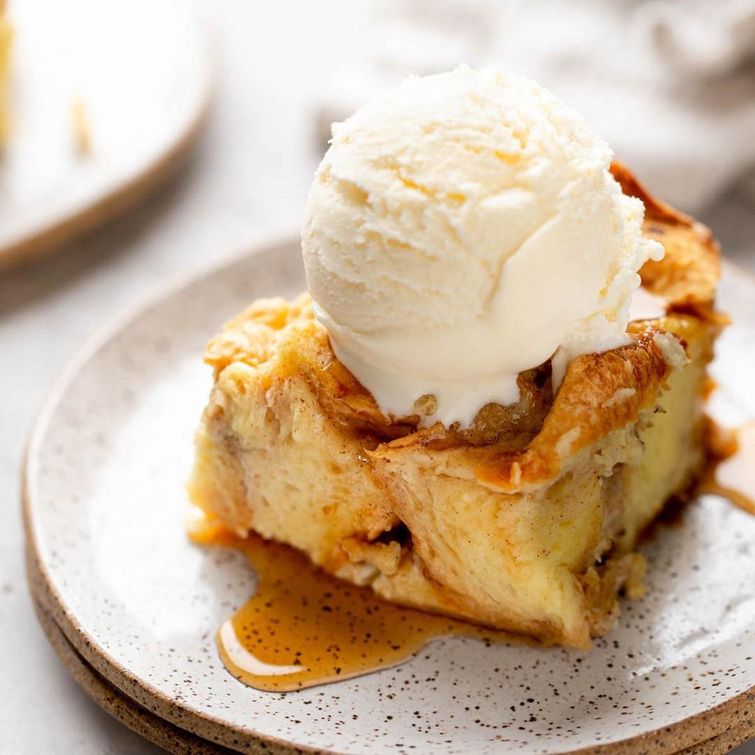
[[528, 520]]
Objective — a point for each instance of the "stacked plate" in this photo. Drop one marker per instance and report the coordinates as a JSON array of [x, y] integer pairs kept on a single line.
[[132, 606]]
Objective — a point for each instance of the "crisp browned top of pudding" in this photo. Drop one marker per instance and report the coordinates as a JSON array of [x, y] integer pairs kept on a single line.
[[524, 442]]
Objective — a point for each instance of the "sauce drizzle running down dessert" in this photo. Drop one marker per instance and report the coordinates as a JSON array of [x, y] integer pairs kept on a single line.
[[731, 471], [302, 627]]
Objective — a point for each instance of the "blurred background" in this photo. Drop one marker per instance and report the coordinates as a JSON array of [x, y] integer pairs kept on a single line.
[[670, 84]]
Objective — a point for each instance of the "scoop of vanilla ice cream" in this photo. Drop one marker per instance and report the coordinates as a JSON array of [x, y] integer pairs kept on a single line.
[[462, 228]]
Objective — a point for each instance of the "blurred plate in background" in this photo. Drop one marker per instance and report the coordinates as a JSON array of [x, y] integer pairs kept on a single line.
[[106, 100]]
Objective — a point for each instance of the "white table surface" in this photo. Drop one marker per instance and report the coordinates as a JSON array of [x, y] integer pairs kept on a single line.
[[248, 179]]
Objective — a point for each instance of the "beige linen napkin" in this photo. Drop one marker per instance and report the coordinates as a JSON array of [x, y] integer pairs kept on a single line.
[[669, 83]]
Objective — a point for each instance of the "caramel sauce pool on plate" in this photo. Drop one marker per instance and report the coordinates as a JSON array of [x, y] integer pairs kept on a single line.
[[303, 627]]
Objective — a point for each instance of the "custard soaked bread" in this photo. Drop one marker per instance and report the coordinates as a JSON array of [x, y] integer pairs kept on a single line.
[[528, 519]]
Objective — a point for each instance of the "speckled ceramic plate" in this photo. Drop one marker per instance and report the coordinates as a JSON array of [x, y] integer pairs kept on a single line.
[[111, 566]]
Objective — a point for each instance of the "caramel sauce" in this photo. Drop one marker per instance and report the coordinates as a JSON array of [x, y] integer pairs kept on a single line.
[[303, 627], [731, 468]]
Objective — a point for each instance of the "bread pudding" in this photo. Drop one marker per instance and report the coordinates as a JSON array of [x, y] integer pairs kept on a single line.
[[528, 519]]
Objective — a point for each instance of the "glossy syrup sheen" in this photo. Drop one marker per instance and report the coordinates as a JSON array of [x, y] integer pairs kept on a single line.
[[303, 627]]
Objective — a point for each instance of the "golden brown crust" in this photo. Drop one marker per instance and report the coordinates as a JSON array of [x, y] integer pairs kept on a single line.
[[251, 336], [600, 393], [688, 274]]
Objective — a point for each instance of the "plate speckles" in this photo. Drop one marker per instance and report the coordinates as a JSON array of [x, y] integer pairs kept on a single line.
[[105, 510]]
